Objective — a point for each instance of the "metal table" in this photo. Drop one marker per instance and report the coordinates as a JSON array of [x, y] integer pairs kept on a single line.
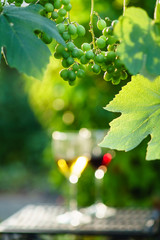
[[41, 219]]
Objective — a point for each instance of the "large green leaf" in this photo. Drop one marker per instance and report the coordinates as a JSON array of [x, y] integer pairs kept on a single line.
[[139, 103], [140, 42], [22, 47]]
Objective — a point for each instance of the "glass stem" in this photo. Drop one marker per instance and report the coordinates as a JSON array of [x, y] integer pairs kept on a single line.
[[73, 196], [98, 190]]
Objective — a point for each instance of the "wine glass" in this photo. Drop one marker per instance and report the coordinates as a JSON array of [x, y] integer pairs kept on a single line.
[[100, 160], [72, 153]]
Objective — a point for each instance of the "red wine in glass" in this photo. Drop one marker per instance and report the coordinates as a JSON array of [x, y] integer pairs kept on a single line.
[[100, 160]]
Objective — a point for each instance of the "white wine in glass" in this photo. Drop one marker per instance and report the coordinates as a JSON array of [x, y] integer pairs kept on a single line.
[[71, 152]]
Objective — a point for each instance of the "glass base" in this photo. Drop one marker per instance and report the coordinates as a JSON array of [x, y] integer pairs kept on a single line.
[[100, 210], [73, 218]]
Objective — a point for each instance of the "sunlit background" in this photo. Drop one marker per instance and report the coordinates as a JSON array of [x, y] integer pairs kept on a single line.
[[31, 110]]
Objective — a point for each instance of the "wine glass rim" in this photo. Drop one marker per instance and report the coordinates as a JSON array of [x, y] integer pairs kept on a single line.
[[62, 135]]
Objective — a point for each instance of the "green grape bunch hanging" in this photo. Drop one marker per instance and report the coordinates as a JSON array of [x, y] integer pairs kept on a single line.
[[99, 56]]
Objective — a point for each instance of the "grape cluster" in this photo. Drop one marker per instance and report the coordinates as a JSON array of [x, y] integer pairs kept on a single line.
[[69, 55], [112, 66], [98, 57], [57, 11]]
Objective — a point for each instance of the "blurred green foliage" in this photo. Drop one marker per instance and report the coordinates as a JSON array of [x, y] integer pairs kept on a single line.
[[22, 138], [31, 112]]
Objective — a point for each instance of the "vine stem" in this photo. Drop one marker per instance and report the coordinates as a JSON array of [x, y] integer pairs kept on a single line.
[[91, 24], [156, 7], [124, 6]]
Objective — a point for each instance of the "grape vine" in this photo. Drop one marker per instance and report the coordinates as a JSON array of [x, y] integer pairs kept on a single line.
[[99, 56]]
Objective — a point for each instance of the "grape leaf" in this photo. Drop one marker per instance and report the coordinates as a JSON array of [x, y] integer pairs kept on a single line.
[[139, 47], [139, 103], [22, 48]]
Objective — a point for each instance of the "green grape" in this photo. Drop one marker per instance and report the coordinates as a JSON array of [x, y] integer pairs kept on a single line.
[[68, 7], [104, 67], [96, 68], [43, 2], [57, 4], [57, 55], [61, 28], [59, 48], [101, 24], [105, 33], [64, 63], [114, 23], [49, 7], [62, 12], [118, 63], [70, 46], [124, 75], [54, 15], [46, 39], [71, 75], [89, 67], [64, 74], [116, 81], [103, 37], [59, 20], [75, 67], [18, 4], [111, 40], [110, 69], [43, 12], [89, 54], [65, 54], [66, 36], [65, 2], [81, 52], [84, 60], [109, 30], [9, 1], [101, 43], [71, 83], [27, 1], [81, 73], [110, 47], [107, 77], [108, 21], [116, 74], [19, 1], [99, 58], [86, 47], [81, 31], [76, 53], [70, 61], [110, 56], [72, 29]]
